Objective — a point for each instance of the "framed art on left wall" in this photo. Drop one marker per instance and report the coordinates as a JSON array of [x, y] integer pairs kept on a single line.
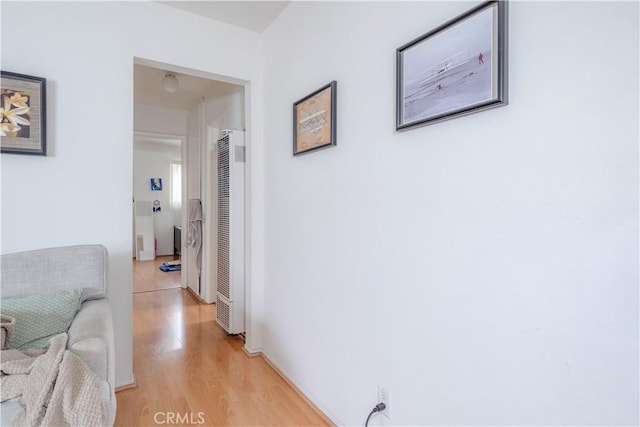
[[23, 114]]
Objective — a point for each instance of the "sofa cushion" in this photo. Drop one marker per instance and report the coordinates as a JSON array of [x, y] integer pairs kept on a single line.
[[39, 317]]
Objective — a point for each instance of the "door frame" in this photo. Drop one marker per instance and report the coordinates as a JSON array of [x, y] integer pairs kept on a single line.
[[166, 138], [254, 195]]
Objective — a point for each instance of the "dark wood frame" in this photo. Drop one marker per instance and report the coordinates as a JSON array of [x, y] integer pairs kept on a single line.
[[501, 69], [333, 86], [42, 111]]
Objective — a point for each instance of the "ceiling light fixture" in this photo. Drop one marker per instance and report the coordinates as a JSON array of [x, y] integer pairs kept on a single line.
[[170, 82]]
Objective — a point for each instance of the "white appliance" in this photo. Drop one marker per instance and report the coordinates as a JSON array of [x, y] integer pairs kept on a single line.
[[230, 284]]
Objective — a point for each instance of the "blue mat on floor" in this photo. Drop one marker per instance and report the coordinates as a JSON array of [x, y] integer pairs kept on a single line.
[[165, 267]]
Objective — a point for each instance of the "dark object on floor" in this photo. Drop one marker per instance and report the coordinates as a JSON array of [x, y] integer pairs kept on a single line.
[[166, 267]]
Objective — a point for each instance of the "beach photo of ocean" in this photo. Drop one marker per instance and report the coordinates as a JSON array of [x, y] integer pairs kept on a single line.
[[450, 71]]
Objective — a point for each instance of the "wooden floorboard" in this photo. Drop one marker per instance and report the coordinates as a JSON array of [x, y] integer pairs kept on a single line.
[[147, 275], [186, 364]]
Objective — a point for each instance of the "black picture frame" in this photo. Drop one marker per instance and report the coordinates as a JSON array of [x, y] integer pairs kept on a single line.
[[24, 130], [456, 69], [314, 120]]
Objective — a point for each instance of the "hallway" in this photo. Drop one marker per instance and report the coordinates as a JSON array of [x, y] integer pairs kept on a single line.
[[189, 371]]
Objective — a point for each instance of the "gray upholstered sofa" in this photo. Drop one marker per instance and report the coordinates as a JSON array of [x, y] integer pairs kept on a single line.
[[91, 333]]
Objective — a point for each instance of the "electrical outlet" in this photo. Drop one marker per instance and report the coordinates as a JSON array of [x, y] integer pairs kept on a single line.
[[383, 396]]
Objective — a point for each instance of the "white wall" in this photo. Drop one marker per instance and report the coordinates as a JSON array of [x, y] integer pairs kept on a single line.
[[225, 107], [81, 192], [153, 160], [484, 269], [160, 119]]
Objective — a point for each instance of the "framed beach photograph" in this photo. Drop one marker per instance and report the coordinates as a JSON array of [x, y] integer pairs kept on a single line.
[[23, 114], [456, 69], [314, 120]]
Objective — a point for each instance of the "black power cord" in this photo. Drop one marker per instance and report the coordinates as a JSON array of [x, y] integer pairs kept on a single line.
[[379, 407]]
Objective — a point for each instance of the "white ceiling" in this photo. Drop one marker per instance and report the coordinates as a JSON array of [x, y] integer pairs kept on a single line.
[[147, 88], [252, 15]]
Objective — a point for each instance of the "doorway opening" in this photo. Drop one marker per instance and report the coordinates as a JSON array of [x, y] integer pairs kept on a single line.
[[157, 210], [179, 115]]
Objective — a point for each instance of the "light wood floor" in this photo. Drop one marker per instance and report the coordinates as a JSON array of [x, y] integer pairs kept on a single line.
[[147, 275], [185, 363]]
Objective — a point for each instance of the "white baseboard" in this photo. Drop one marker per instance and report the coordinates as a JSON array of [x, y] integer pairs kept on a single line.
[[320, 409], [123, 385]]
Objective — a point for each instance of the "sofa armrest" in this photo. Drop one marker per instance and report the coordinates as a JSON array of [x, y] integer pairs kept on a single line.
[[91, 338]]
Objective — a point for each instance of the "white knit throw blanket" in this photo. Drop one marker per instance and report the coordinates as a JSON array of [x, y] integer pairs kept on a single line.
[[55, 388]]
